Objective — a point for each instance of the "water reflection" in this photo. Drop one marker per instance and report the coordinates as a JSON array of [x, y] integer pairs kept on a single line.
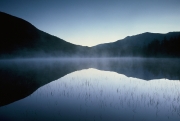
[[19, 78], [94, 95]]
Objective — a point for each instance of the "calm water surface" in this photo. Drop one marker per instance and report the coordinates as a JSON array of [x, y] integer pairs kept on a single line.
[[90, 90]]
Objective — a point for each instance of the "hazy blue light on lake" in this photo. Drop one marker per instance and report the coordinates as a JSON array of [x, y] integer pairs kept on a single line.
[[92, 94]]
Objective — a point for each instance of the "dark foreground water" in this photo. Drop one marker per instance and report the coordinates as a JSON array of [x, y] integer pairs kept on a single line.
[[126, 89]]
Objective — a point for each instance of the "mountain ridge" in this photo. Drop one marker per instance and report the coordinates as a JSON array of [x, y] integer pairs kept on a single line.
[[19, 38], [169, 34]]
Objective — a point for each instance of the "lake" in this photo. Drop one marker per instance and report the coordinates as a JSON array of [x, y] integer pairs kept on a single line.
[[90, 89]]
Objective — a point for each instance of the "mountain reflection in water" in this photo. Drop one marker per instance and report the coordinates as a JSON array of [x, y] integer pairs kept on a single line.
[[91, 94]]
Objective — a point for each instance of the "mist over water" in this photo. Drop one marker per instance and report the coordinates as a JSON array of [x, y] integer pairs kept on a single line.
[[90, 89]]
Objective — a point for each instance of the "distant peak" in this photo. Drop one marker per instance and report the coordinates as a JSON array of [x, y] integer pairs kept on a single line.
[[128, 37], [147, 33]]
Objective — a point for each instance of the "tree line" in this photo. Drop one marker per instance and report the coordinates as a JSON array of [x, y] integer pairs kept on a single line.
[[164, 48]]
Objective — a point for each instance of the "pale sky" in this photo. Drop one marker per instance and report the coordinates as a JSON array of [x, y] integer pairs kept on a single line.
[[92, 22]]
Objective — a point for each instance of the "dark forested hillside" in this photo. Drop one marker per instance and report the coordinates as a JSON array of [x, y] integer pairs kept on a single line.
[[142, 45], [19, 38], [165, 48]]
